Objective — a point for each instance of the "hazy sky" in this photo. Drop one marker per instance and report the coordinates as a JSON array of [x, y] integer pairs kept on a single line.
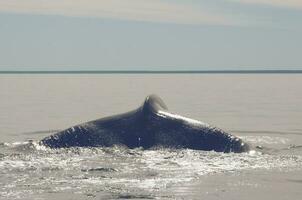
[[150, 34]]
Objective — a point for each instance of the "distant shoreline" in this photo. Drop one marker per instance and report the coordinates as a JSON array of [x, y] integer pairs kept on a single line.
[[158, 72]]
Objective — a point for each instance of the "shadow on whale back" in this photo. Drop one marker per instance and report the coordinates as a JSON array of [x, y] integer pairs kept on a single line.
[[148, 126]]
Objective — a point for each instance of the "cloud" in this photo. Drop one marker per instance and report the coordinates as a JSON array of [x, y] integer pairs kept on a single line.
[[295, 4], [139, 10]]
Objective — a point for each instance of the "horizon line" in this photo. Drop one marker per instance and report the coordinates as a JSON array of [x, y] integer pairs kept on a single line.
[[151, 71]]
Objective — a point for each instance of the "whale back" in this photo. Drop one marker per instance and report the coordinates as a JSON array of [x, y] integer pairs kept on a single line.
[[153, 104], [148, 126]]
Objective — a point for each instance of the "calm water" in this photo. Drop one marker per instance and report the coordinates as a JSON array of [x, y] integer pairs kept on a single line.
[[265, 110]]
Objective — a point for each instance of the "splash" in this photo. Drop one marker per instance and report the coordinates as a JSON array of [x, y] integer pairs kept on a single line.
[[29, 169]]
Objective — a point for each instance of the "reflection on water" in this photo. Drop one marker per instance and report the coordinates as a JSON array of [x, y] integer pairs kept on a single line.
[[29, 170]]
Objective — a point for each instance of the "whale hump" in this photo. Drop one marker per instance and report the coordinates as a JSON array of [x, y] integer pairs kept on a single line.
[[153, 104], [147, 126]]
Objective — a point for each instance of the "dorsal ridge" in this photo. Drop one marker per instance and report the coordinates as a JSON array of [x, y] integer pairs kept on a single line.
[[153, 104]]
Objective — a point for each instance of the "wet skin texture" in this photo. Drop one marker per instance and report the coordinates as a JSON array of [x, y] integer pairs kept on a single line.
[[148, 126]]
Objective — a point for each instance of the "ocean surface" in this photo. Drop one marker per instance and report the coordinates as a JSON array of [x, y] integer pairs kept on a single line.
[[263, 109]]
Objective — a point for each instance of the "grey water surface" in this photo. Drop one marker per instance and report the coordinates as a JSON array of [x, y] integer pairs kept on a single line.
[[263, 109]]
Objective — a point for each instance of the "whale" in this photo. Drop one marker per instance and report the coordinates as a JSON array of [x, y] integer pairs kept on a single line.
[[149, 126]]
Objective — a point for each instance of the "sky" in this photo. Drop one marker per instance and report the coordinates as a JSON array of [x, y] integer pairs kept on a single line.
[[150, 34]]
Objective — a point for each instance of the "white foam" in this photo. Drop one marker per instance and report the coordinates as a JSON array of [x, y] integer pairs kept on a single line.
[[263, 140], [146, 170]]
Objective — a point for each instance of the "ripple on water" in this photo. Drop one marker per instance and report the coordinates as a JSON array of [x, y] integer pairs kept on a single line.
[[30, 169]]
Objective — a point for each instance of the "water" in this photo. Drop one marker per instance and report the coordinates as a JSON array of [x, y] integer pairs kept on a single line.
[[265, 110]]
